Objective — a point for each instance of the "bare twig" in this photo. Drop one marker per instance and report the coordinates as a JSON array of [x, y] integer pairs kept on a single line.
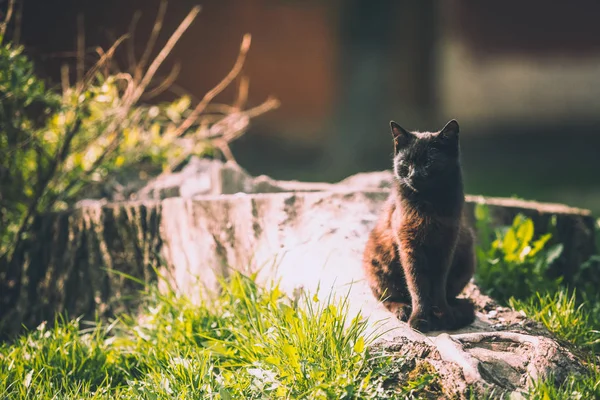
[[112, 37], [4, 24], [18, 18], [223, 146], [242, 96], [100, 52], [270, 104], [109, 67], [165, 84], [64, 78], [134, 89], [80, 49], [131, 44], [185, 24], [178, 90], [208, 97], [103, 60], [156, 28]]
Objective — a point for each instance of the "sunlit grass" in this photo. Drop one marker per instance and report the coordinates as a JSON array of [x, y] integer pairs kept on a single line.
[[563, 316], [248, 343], [575, 387]]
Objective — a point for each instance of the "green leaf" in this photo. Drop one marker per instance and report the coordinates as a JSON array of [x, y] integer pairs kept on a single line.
[[482, 212], [539, 244], [359, 346], [224, 393], [554, 253], [525, 232], [510, 245]]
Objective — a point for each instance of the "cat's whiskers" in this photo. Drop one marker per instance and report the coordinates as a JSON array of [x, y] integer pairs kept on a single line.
[[407, 183]]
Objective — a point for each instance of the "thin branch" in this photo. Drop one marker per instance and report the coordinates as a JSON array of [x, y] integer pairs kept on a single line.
[[165, 84], [103, 59], [181, 91], [114, 64], [80, 49], [109, 67], [185, 24], [4, 24], [270, 104], [220, 108], [131, 44], [130, 84], [64, 78], [156, 28], [18, 21], [223, 146], [101, 53], [208, 97], [242, 96]]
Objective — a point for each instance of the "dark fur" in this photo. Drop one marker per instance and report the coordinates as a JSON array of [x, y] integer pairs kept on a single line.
[[420, 254]]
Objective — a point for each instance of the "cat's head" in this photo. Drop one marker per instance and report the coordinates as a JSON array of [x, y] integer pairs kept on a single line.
[[426, 160]]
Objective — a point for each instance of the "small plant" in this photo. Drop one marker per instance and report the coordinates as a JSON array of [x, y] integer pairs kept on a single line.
[[511, 262], [575, 387], [512, 267], [423, 382], [561, 315]]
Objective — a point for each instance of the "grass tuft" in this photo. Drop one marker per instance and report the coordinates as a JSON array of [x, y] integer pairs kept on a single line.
[[575, 387], [247, 343], [563, 316]]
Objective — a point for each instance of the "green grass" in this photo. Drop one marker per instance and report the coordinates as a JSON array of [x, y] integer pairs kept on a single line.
[[574, 322], [561, 314], [249, 343], [575, 387]]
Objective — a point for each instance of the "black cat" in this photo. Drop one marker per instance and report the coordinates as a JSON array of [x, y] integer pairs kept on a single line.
[[420, 254]]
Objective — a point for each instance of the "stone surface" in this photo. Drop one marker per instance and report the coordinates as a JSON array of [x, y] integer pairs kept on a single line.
[[309, 236]]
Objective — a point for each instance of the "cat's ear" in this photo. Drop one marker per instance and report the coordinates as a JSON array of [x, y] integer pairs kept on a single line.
[[450, 131], [401, 135]]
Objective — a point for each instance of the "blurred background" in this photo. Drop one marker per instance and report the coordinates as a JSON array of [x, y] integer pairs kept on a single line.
[[522, 79]]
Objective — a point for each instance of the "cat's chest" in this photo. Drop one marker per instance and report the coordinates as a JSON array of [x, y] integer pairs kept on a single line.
[[423, 227]]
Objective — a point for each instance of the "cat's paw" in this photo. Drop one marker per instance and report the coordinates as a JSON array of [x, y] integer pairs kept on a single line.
[[458, 314], [420, 322], [463, 313], [401, 310]]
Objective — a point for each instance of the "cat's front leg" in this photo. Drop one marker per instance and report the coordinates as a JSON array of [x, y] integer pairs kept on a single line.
[[426, 272], [419, 283]]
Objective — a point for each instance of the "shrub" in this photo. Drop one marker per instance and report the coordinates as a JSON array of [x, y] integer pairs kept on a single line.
[[55, 146], [513, 263]]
